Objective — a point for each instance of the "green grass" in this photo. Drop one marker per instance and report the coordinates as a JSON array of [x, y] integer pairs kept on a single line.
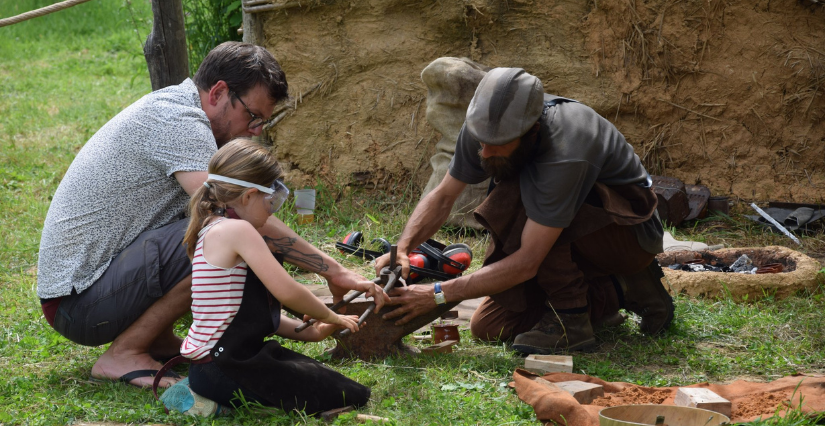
[[64, 75]]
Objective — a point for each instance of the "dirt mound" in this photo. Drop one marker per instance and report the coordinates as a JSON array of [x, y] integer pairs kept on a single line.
[[728, 94]]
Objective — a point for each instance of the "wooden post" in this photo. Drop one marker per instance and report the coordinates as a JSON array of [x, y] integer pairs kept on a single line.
[[253, 31], [165, 48]]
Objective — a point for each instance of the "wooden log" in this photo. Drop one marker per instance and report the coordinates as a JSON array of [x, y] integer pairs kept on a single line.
[[165, 48], [253, 31], [549, 363], [363, 418], [702, 398], [584, 392]]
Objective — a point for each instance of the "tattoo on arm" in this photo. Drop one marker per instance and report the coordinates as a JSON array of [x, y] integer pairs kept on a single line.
[[308, 261]]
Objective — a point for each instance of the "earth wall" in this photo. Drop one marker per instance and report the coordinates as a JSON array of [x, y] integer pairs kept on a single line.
[[727, 94]]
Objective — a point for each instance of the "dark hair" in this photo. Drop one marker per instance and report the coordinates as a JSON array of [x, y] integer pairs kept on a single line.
[[242, 66], [242, 159]]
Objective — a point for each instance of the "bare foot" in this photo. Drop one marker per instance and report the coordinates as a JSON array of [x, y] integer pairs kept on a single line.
[[112, 366]]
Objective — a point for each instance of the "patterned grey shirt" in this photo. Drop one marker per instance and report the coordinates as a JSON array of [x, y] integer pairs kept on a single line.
[[121, 184]]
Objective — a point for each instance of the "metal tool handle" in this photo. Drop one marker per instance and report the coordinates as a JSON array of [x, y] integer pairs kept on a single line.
[[389, 277], [335, 307], [338, 305], [390, 284]]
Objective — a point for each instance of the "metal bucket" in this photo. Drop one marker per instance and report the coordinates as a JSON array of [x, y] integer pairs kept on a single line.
[[626, 415]]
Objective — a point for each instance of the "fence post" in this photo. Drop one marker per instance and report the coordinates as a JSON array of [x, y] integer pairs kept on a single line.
[[165, 48]]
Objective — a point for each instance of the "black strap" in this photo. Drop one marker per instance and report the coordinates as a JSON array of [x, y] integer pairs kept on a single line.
[[431, 273], [358, 251], [439, 256]]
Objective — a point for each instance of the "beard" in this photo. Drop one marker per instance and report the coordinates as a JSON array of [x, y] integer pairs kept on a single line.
[[220, 128], [503, 168]]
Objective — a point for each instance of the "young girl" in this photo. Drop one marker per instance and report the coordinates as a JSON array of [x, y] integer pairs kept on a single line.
[[237, 291]]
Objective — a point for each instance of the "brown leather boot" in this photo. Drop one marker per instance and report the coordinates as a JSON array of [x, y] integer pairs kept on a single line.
[[557, 332], [610, 321], [646, 296]]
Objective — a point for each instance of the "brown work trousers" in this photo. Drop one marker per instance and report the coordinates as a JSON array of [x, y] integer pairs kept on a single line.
[[599, 242]]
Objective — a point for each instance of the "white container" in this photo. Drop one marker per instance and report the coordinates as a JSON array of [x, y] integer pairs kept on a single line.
[[305, 199], [305, 204]]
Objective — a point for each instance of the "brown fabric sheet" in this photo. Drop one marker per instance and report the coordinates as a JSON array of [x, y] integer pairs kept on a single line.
[[749, 400]]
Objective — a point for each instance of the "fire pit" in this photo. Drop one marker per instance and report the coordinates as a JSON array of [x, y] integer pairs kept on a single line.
[[798, 272]]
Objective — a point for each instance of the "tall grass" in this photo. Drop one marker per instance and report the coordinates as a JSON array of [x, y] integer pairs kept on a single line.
[[61, 77]]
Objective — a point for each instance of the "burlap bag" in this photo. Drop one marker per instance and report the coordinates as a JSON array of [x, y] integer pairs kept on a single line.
[[451, 83]]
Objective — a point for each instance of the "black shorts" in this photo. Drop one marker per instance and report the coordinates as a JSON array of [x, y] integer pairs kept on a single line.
[[137, 277]]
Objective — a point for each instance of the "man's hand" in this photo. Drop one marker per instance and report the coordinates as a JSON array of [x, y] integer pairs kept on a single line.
[[341, 284], [414, 300], [400, 258]]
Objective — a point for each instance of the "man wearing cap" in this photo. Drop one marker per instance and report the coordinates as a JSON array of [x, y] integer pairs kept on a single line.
[[571, 216]]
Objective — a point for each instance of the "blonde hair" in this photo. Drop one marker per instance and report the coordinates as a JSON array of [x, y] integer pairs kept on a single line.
[[242, 159]]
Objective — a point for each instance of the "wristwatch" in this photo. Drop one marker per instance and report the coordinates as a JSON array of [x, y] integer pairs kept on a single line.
[[440, 299]]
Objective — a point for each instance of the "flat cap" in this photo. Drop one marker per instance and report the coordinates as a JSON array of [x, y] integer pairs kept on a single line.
[[507, 103]]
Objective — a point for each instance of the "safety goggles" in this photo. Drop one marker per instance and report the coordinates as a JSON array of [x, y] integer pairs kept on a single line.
[[276, 194]]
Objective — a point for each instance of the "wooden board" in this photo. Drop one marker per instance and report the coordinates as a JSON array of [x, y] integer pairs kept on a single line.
[[549, 363], [702, 398], [584, 392]]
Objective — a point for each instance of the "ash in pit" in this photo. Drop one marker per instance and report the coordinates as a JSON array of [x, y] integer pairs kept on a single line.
[[742, 265]]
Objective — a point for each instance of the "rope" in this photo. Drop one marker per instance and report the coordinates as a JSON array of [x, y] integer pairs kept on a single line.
[[40, 12]]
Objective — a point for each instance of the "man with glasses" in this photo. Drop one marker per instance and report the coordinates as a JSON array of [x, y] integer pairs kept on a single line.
[[111, 265]]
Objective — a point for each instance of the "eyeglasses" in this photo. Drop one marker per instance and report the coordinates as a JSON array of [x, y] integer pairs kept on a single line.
[[256, 121]]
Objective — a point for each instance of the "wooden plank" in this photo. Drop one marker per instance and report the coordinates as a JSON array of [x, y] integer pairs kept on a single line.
[[584, 392], [549, 363], [444, 347], [331, 415], [702, 398]]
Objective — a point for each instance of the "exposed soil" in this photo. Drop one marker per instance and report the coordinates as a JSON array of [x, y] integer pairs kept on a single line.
[[633, 395], [749, 399], [728, 94], [761, 404]]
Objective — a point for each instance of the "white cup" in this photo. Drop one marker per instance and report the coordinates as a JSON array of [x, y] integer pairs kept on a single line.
[[305, 199]]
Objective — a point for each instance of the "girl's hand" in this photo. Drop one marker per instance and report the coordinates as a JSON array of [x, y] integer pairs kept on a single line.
[[343, 321], [326, 329]]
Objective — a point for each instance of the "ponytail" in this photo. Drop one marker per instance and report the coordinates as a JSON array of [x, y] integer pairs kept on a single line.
[[201, 206]]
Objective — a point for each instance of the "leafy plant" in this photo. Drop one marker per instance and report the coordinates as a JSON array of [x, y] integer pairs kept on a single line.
[[208, 24]]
